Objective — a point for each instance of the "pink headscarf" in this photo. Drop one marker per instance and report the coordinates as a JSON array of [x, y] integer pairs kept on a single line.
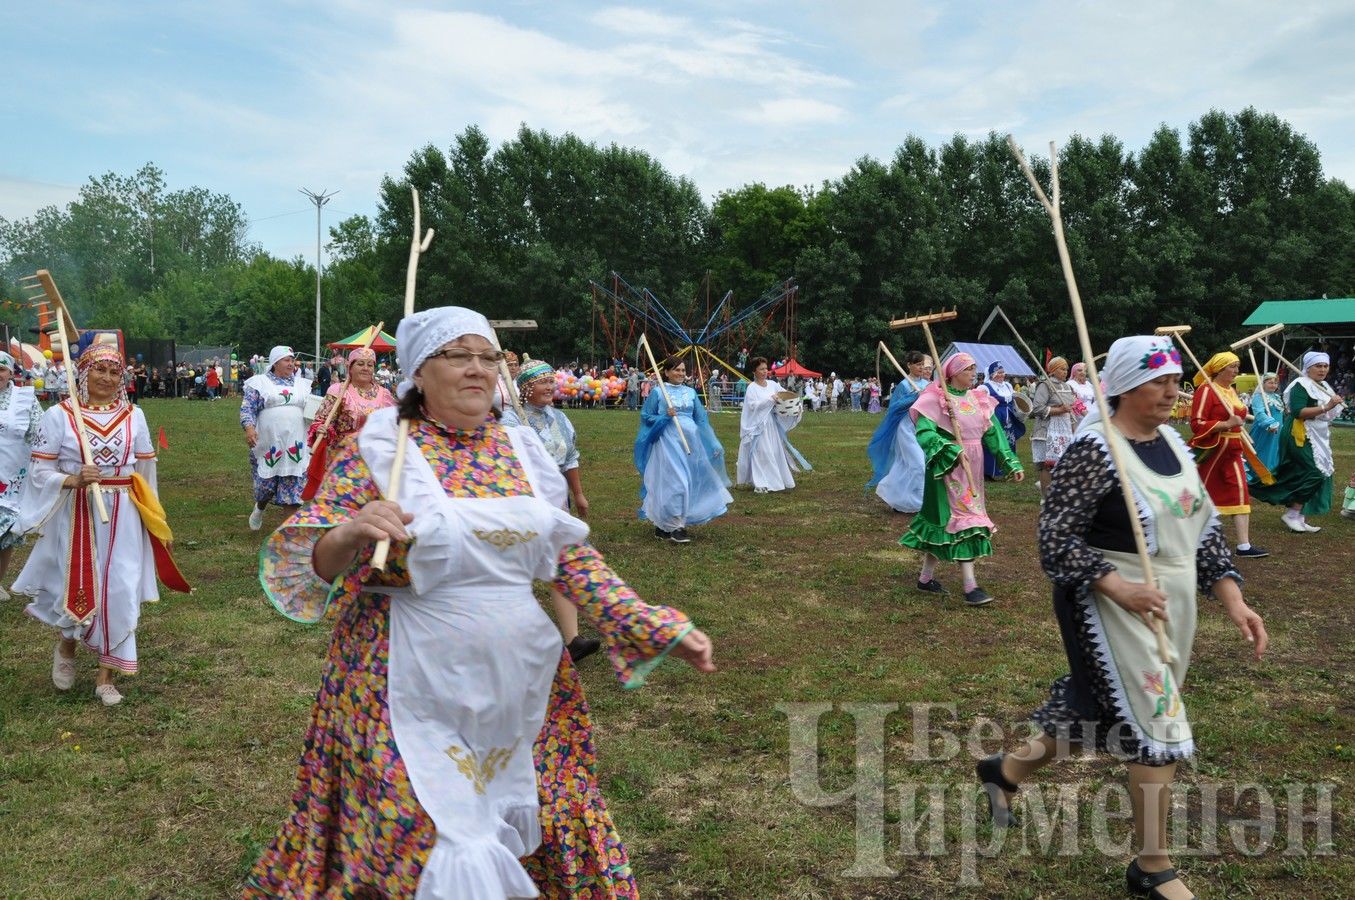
[[1078, 369], [956, 363], [366, 353], [974, 409]]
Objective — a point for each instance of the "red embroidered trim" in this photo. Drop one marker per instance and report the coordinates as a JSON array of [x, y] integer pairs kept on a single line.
[[82, 590]]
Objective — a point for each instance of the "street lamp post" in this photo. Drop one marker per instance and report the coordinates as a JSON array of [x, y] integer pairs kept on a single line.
[[319, 200]]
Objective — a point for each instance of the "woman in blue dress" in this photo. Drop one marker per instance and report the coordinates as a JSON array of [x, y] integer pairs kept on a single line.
[[1002, 392], [894, 454], [1267, 407], [679, 488]]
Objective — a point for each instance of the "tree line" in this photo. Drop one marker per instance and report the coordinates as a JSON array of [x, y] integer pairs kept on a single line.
[[1194, 228]]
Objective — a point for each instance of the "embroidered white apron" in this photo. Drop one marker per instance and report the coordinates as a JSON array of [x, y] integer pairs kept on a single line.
[[15, 455], [281, 450], [1181, 511], [472, 661]]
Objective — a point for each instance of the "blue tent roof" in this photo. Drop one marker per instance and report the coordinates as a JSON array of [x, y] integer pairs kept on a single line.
[[986, 354]]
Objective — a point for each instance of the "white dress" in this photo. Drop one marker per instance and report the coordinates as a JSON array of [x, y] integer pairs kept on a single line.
[[766, 459], [20, 415], [124, 562]]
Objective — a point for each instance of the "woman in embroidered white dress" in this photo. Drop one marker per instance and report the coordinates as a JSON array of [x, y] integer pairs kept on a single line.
[[275, 431], [449, 754], [20, 413], [767, 460], [88, 578], [1119, 697]]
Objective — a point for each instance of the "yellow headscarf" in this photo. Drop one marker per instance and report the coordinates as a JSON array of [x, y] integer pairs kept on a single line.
[[1217, 363]]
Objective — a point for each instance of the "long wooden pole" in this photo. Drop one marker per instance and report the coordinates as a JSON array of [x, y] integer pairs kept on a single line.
[[667, 401], [948, 400], [891, 359], [1260, 379], [347, 380], [416, 246], [57, 305], [1295, 369], [1113, 437], [1209, 383]]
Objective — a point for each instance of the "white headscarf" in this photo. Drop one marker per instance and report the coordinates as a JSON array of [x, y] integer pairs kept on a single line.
[[6, 360], [278, 354], [1315, 389], [1132, 362], [419, 336]]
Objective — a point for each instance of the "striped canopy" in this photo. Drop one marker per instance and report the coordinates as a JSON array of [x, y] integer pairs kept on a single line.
[[384, 343]]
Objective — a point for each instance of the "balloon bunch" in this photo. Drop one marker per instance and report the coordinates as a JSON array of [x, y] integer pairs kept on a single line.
[[568, 387]]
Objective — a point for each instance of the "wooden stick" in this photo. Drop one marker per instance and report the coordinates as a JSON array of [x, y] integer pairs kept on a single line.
[[347, 380], [416, 247], [668, 401], [926, 322], [1177, 333], [1253, 338], [891, 359], [1040, 373], [1296, 370], [1113, 437], [62, 316], [1261, 380]]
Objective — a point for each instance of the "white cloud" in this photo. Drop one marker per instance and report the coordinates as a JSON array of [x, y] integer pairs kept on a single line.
[[792, 112], [20, 198]]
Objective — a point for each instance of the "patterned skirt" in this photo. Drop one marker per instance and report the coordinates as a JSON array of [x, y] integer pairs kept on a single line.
[[356, 828]]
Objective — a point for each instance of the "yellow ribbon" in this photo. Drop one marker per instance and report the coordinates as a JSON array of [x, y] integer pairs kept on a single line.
[[152, 513]]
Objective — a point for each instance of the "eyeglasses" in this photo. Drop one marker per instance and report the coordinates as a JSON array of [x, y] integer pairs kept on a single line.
[[461, 359]]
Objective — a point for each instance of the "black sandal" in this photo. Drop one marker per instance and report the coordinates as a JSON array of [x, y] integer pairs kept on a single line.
[[990, 774], [1145, 884]]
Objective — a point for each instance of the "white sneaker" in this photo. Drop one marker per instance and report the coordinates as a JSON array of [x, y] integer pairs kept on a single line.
[[1311, 529], [63, 670], [1293, 523], [108, 693], [256, 519]]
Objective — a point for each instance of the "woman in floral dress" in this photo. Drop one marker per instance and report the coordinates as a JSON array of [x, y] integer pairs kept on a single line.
[[357, 398], [450, 751]]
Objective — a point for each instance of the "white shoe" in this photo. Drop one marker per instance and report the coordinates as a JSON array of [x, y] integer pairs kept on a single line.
[[63, 670], [108, 693], [1311, 529], [256, 519], [4, 595], [1293, 523]]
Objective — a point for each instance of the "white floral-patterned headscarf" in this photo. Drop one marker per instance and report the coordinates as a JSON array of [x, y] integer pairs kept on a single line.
[[1132, 362]]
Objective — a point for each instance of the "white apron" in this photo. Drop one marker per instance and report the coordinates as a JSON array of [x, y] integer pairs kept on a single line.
[[472, 661], [1149, 691], [15, 454], [281, 450]]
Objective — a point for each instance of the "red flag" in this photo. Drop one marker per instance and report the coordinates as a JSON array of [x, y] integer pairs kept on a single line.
[[164, 441]]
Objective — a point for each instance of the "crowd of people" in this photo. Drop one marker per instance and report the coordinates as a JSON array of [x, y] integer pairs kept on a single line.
[[450, 751]]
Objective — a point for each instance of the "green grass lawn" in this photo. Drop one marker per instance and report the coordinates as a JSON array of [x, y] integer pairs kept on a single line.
[[808, 599]]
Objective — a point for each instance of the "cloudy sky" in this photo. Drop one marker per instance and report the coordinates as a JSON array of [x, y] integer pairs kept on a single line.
[[258, 99]]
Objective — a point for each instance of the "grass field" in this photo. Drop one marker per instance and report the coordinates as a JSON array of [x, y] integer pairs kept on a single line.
[[808, 599]]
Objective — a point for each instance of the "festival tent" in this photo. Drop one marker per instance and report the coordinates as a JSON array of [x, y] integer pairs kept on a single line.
[[987, 354], [384, 343], [791, 367], [1304, 312]]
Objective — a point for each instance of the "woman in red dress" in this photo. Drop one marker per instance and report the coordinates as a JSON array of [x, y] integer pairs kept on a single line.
[[1217, 416]]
